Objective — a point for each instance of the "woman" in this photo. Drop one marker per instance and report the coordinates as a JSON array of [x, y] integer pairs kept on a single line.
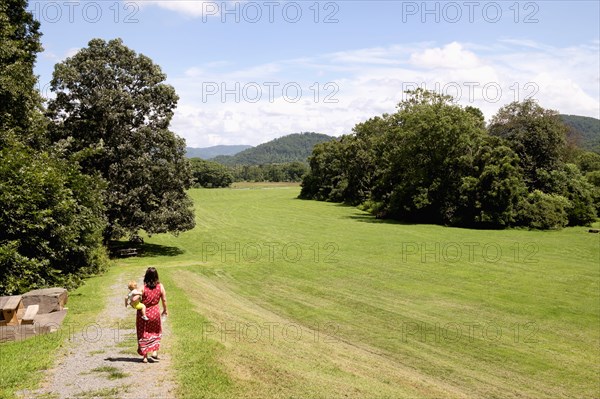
[[149, 332]]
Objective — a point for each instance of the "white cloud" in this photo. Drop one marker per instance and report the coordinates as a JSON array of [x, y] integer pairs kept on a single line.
[[190, 8], [450, 56], [194, 72], [369, 82], [58, 58], [522, 43], [50, 56], [71, 52]]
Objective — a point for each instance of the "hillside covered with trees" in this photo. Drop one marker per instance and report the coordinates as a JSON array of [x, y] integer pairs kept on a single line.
[[291, 148], [281, 160], [583, 131], [214, 151]]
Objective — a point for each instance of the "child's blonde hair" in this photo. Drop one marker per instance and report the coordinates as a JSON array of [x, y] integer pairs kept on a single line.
[[132, 285]]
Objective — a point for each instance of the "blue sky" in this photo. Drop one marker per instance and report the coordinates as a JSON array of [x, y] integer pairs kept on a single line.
[[250, 71]]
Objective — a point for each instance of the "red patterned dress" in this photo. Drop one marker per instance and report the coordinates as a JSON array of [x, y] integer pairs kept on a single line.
[[149, 332]]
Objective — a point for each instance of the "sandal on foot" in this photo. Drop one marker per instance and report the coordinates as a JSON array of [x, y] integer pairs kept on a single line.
[[145, 360]]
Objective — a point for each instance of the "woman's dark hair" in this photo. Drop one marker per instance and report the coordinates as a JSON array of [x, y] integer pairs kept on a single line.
[[151, 278]]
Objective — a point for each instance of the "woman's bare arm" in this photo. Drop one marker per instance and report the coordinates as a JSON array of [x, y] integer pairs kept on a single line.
[[163, 298]]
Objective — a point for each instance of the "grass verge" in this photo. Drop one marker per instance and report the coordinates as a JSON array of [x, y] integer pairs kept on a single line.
[[22, 363], [195, 358]]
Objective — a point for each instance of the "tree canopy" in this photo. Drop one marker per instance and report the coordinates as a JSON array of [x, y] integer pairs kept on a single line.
[[537, 135], [52, 215], [210, 174], [113, 109], [19, 45], [434, 161]]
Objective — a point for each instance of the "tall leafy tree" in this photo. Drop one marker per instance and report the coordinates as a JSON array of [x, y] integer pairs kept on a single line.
[[492, 188], [537, 135], [568, 182], [52, 221], [431, 161], [19, 45], [362, 152], [326, 180], [51, 214], [115, 101], [427, 156]]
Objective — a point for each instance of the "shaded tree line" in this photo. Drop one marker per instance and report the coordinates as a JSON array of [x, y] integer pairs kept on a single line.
[[275, 172], [52, 219], [211, 174], [434, 161]]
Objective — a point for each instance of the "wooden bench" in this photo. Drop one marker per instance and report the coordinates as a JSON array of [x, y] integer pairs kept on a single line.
[[125, 252], [10, 307], [594, 231], [35, 312], [30, 313]]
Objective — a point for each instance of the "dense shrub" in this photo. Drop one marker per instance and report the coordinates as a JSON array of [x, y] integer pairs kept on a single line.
[[544, 211], [52, 221], [210, 174]]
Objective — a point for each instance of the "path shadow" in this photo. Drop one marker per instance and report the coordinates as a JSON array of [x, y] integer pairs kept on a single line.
[[124, 359]]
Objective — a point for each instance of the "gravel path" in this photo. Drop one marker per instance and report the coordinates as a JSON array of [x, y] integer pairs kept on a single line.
[[101, 361]]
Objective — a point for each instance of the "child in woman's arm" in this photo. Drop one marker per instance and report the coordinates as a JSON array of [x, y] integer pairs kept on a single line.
[[134, 298]]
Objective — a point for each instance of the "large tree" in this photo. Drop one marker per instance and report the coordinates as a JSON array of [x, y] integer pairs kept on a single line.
[[492, 187], [52, 220], [537, 135], [114, 101], [326, 180], [427, 155], [19, 45], [432, 161], [50, 213]]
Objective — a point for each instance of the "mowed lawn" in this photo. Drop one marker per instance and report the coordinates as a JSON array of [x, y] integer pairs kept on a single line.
[[279, 297], [275, 297]]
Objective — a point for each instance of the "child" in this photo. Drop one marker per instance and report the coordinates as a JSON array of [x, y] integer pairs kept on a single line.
[[134, 298]]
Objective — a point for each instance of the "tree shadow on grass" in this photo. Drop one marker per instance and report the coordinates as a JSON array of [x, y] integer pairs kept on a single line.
[[367, 218], [124, 249], [151, 250], [362, 216]]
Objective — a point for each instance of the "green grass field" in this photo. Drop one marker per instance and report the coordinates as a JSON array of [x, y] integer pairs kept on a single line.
[[275, 297]]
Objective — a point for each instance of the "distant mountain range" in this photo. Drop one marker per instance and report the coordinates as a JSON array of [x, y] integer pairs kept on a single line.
[[584, 131], [295, 147], [214, 151]]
